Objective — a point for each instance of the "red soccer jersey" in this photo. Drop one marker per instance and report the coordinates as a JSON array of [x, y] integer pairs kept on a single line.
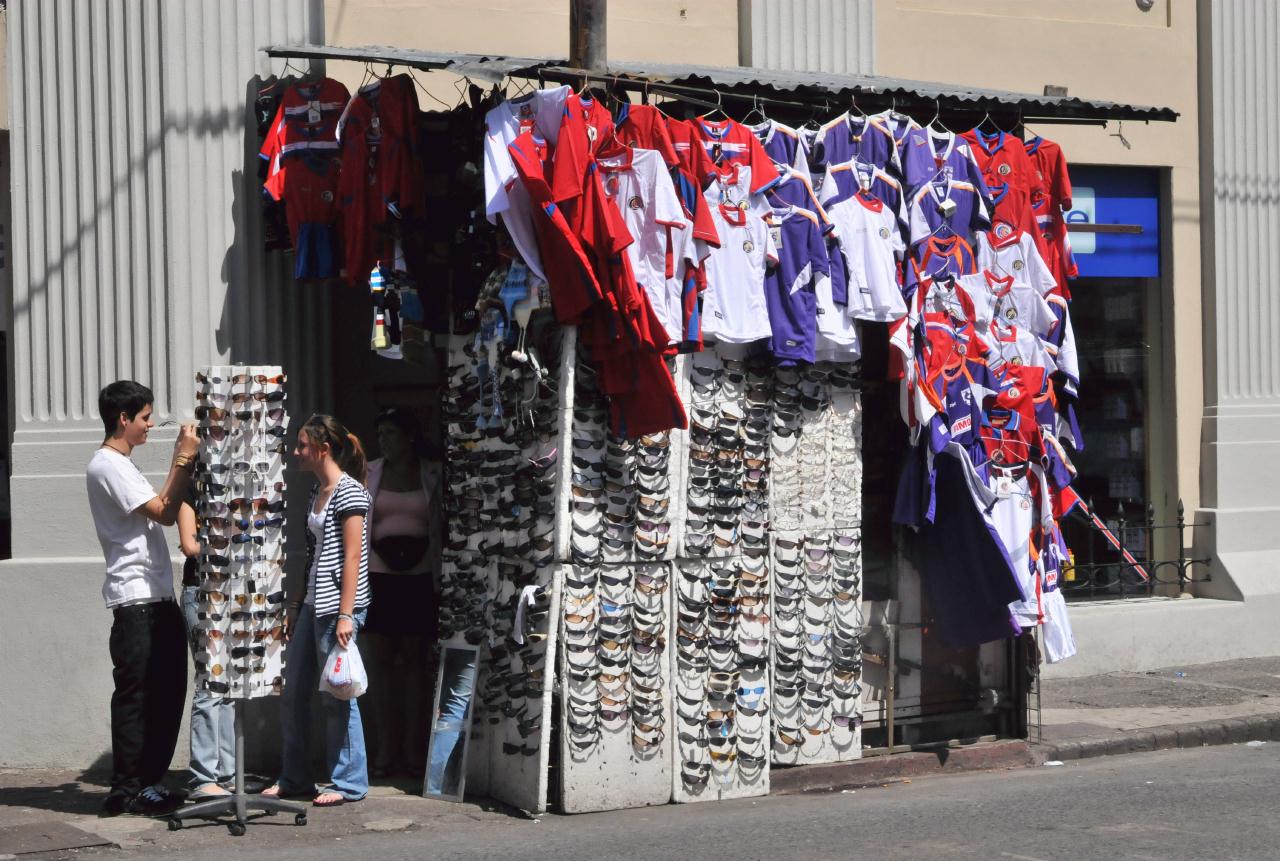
[[694, 160], [570, 274], [303, 168], [1050, 165], [585, 126], [645, 127], [381, 168], [1002, 159], [729, 142]]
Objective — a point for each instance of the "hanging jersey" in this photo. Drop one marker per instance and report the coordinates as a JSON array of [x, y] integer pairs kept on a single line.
[[571, 276], [1018, 348], [943, 208], [540, 113], [1002, 159], [843, 181], [303, 170], [783, 145], [381, 169], [734, 308], [899, 127], [872, 245], [851, 137], [1015, 254], [694, 160], [644, 127], [636, 181], [584, 127], [1011, 302], [927, 154], [935, 257], [789, 286], [732, 142]]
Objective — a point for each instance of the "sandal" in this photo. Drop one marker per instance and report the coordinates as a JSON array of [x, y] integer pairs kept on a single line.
[[206, 792], [274, 791], [328, 798]]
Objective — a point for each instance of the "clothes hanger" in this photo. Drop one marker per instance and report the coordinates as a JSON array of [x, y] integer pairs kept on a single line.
[[755, 109], [427, 92], [937, 119], [718, 109]]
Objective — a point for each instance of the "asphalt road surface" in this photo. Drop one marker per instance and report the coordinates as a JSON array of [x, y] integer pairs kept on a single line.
[[1216, 803]]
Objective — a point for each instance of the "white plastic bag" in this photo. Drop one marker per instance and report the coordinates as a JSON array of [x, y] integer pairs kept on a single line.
[[344, 676]]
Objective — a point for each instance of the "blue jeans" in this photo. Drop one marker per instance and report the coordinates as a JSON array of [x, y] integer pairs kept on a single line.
[[458, 684], [345, 761], [213, 718]]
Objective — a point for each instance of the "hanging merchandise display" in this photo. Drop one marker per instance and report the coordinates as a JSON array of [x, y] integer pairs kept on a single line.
[[240, 517], [653, 408], [498, 579]]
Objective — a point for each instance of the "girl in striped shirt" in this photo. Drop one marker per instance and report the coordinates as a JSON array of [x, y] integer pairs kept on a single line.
[[332, 610]]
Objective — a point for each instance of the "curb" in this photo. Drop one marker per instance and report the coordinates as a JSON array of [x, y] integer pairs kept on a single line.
[[878, 770], [1202, 734]]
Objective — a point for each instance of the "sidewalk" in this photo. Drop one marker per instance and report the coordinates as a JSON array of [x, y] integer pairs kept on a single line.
[[1223, 703]]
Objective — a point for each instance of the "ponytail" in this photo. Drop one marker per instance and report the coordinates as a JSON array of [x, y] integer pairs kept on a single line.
[[344, 446], [354, 463]]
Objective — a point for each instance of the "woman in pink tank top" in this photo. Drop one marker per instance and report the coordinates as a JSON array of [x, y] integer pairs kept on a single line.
[[400, 633]]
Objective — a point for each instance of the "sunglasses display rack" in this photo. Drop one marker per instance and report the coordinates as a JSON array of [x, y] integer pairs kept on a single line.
[[722, 688], [816, 562], [498, 579], [615, 641], [240, 516]]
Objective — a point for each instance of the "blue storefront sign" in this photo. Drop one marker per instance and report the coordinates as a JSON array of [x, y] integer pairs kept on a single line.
[[1115, 195]]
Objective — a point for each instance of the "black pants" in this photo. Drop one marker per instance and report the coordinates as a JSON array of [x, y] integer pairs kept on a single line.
[[149, 656]]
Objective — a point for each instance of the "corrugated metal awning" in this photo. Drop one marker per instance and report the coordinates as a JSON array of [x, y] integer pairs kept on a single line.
[[743, 83]]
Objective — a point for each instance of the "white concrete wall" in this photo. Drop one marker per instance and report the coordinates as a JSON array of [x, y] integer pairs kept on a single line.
[[135, 254]]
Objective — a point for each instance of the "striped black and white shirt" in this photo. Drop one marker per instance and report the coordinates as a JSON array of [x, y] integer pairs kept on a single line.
[[349, 499]]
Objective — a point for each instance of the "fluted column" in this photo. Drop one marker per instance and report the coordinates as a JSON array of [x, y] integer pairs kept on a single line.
[[136, 238], [1240, 128]]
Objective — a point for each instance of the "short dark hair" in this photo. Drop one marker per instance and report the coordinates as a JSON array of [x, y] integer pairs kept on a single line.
[[122, 396]]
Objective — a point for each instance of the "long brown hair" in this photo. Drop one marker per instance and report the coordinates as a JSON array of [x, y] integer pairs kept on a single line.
[[344, 446]]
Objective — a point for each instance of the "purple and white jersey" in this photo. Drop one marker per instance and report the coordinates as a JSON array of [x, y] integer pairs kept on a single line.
[[783, 144], [928, 154], [962, 391], [794, 189], [790, 288], [947, 205], [843, 181], [899, 126], [849, 137]]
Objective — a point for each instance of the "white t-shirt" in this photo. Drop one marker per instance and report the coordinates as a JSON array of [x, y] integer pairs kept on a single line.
[[504, 193], [137, 556], [315, 522]]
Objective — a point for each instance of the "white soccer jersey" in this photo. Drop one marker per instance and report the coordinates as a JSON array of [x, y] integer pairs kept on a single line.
[[541, 112], [638, 183], [1015, 255], [872, 245], [734, 310], [1019, 347], [1013, 303]]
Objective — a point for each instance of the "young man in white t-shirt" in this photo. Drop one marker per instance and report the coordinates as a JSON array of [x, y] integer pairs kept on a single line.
[[148, 634]]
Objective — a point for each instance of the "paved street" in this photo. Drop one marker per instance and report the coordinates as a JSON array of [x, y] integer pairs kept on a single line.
[[1215, 802]]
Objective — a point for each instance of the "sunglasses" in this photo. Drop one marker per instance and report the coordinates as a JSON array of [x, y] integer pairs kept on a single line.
[[261, 379]]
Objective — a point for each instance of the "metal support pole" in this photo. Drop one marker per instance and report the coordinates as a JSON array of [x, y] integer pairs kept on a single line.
[[588, 35]]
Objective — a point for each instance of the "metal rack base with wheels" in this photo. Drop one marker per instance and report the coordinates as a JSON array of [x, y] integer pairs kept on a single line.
[[238, 803]]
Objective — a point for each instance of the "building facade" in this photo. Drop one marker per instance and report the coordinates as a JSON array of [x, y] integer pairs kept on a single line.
[[134, 253]]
